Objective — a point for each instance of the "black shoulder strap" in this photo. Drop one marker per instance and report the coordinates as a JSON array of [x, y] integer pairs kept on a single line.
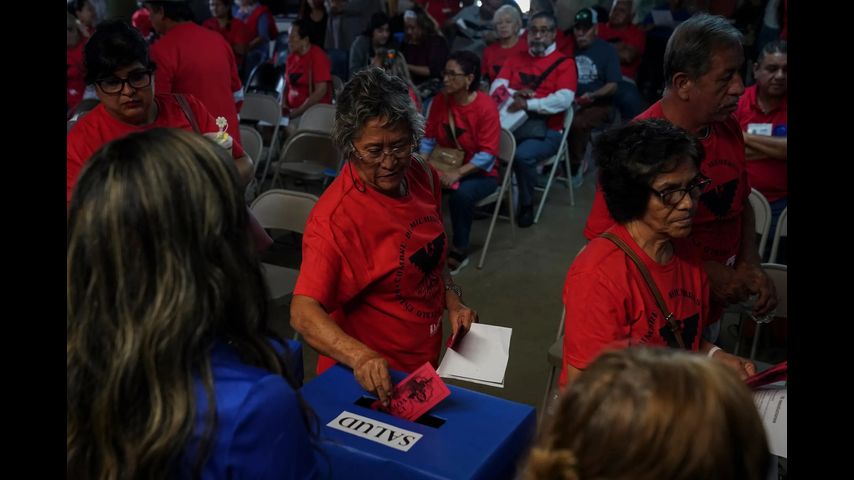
[[546, 73]]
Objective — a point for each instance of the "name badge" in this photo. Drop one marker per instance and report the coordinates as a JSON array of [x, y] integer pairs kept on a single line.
[[765, 129], [375, 431]]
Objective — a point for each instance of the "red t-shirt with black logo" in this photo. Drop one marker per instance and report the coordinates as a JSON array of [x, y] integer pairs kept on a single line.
[[302, 70], [522, 69], [610, 306], [375, 264], [98, 127], [494, 56], [477, 126], [717, 225], [768, 175]]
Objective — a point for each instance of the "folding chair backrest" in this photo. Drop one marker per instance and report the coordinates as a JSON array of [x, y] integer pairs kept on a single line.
[[782, 230], [567, 119], [283, 209], [779, 275], [252, 143], [318, 118], [311, 147], [263, 107], [506, 145], [762, 212]]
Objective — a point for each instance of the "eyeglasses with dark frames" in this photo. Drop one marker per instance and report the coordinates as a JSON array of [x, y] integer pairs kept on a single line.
[[674, 196], [136, 79], [374, 155]]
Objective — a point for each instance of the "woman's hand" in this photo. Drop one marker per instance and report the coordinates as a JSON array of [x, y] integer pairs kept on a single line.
[[450, 178], [742, 366], [459, 314], [371, 371]]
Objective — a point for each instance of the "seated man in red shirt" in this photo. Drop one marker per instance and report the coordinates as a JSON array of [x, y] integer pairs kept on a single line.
[[630, 42], [763, 116], [547, 96], [308, 72]]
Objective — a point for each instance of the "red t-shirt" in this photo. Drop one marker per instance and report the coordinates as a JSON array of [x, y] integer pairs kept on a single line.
[[253, 19], [630, 35], [494, 56], [769, 176], [235, 33], [440, 10], [565, 43], [98, 127], [477, 126], [717, 224], [302, 70], [609, 305], [375, 263], [194, 60], [75, 73], [522, 69]]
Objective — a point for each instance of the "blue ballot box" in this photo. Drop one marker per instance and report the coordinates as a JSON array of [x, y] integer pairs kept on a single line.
[[469, 435]]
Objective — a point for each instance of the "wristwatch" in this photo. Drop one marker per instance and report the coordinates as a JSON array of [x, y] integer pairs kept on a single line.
[[453, 287]]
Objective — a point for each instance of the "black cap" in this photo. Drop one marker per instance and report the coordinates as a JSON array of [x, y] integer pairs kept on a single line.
[[585, 18]]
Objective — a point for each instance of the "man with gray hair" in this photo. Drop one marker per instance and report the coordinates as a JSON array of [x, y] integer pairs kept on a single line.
[[702, 65], [543, 82]]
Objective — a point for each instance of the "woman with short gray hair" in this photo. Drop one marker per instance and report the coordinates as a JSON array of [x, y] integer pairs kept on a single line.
[[508, 24], [374, 285]]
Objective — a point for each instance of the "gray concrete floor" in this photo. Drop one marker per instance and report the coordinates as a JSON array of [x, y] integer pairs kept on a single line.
[[520, 287]]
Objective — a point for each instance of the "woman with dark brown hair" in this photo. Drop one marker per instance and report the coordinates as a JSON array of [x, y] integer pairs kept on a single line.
[[171, 369]]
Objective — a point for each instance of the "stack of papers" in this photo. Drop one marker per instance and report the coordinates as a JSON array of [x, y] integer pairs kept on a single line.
[[773, 409], [481, 356]]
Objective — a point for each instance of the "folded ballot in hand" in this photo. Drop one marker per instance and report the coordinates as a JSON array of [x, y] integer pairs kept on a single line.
[[416, 394]]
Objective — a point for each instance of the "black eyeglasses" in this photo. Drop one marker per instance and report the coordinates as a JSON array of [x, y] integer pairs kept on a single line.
[[450, 73], [674, 196], [137, 79], [374, 155]]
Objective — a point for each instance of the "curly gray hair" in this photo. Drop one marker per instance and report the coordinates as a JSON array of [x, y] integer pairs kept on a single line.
[[373, 93]]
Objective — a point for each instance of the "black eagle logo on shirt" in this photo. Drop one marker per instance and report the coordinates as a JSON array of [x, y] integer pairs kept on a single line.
[[497, 69], [527, 78], [718, 199], [689, 331], [426, 259], [450, 132], [293, 77]]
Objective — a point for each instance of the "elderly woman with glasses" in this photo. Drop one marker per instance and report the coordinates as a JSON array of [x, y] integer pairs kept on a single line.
[[463, 118], [373, 285], [508, 23], [118, 64], [650, 177]]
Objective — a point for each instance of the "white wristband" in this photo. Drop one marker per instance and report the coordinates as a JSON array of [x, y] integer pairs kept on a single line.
[[712, 351]]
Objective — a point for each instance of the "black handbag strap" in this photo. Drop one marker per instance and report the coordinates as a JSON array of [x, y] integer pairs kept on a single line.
[[668, 315], [534, 86], [188, 112], [451, 122]]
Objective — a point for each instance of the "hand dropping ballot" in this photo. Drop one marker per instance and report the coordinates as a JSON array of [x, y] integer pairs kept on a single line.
[[416, 394], [480, 356]]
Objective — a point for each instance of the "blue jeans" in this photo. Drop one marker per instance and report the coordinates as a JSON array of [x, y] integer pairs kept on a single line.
[[528, 153], [628, 100], [473, 189]]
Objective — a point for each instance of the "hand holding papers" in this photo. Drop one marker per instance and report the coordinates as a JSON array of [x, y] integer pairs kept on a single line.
[[480, 357]]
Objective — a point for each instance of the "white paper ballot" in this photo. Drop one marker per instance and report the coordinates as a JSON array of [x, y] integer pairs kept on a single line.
[[481, 357], [773, 410]]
